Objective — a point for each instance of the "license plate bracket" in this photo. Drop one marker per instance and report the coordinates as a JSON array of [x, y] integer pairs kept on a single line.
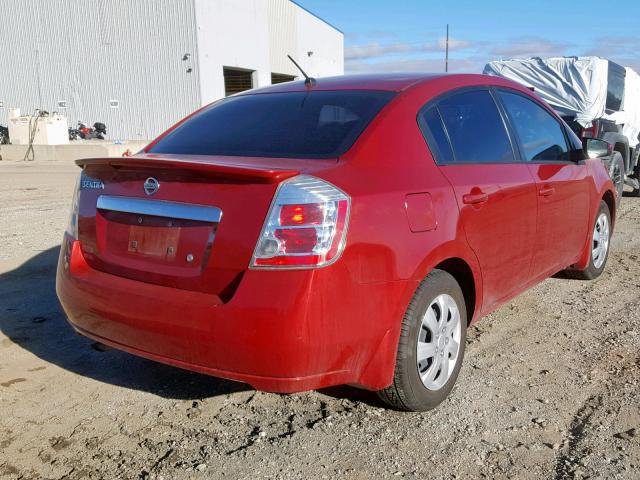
[[154, 241]]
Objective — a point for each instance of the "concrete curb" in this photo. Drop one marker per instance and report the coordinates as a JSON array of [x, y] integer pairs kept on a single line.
[[72, 151]]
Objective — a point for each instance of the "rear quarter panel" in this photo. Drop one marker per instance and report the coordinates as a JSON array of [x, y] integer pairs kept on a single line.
[[389, 161]]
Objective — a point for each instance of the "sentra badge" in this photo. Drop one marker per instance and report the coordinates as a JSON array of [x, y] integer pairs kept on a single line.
[[88, 183]]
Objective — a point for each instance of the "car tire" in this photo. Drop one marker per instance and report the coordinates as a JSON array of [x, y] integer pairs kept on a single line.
[[428, 335], [636, 175], [599, 246], [616, 172]]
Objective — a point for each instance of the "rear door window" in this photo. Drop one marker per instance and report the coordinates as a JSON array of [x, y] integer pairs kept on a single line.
[[432, 127], [475, 128], [541, 136], [316, 124]]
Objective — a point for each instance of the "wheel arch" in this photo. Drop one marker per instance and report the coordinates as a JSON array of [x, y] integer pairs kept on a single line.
[[462, 273], [459, 262], [609, 198], [620, 144], [606, 195]]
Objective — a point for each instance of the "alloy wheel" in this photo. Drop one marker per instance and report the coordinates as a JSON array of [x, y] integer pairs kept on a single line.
[[438, 342], [600, 242]]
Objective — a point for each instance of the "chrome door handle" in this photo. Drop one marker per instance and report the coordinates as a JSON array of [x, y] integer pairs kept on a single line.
[[546, 191]]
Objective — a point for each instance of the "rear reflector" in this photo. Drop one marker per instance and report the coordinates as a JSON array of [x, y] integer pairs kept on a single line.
[[299, 240], [306, 225]]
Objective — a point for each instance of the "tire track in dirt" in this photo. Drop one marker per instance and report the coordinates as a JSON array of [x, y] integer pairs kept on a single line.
[[566, 461]]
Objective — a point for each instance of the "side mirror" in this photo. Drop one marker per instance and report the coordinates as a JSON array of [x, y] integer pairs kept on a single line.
[[595, 148]]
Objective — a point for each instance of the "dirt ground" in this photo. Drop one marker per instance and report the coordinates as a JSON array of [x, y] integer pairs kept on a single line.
[[549, 388]]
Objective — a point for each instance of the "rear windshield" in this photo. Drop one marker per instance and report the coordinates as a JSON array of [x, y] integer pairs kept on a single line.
[[320, 124]]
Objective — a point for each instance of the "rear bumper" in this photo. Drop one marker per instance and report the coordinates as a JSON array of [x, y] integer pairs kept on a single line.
[[269, 384], [283, 331]]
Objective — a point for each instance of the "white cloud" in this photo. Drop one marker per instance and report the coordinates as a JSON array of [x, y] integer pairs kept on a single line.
[[433, 65], [454, 44], [529, 47], [613, 46], [471, 56], [373, 50], [376, 50]]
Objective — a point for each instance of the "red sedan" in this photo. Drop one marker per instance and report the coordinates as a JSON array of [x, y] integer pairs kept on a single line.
[[339, 232]]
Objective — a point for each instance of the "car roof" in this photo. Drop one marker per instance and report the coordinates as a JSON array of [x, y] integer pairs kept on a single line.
[[376, 81], [395, 82]]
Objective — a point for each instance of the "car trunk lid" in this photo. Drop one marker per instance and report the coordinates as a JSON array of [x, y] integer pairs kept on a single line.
[[185, 222]]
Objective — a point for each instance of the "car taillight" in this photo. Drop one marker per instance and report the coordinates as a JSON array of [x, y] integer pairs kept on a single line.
[[308, 214], [306, 225], [72, 228], [591, 131]]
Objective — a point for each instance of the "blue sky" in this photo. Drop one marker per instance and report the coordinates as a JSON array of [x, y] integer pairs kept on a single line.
[[408, 35]]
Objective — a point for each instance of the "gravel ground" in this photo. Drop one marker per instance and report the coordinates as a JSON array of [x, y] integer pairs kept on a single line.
[[549, 388]]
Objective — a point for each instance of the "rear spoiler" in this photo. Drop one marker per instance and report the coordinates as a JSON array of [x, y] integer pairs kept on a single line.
[[218, 167]]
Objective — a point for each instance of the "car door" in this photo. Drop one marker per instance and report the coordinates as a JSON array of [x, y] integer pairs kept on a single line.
[[562, 184], [495, 192]]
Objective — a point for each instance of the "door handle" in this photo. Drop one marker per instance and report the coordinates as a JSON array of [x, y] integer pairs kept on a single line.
[[475, 198], [546, 191]]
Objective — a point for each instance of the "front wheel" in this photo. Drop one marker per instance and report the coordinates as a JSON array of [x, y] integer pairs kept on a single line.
[[599, 251], [431, 347]]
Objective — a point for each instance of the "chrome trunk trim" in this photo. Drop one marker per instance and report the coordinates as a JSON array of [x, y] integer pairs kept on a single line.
[[160, 208]]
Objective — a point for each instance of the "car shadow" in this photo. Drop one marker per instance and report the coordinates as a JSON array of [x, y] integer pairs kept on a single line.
[[354, 394], [31, 317]]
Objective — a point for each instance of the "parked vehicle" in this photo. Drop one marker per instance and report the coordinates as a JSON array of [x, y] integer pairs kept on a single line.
[[99, 130], [74, 134], [596, 97], [4, 135], [341, 232]]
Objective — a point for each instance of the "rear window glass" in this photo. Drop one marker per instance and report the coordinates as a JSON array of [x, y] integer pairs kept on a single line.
[[316, 124], [475, 128]]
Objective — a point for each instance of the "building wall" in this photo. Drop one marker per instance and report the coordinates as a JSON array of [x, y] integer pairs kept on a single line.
[[283, 34], [93, 51], [258, 35], [324, 41], [89, 52], [231, 33]]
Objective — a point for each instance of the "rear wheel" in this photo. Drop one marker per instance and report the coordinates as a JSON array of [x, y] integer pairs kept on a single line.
[[616, 172], [599, 251], [431, 347]]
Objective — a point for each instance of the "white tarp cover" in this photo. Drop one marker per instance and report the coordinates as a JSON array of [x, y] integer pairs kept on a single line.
[[575, 86]]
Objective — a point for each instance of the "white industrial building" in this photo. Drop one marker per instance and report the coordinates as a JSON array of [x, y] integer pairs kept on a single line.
[[140, 65]]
